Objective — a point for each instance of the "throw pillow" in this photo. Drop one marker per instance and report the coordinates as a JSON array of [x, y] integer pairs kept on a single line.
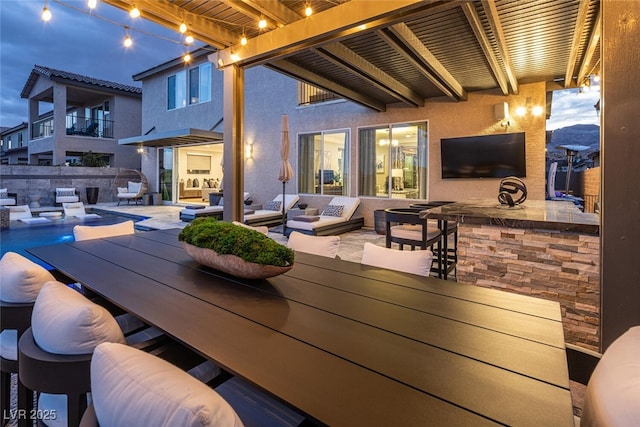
[[123, 190], [134, 187], [65, 192], [273, 205], [196, 183], [132, 388], [333, 210], [65, 322], [20, 278]]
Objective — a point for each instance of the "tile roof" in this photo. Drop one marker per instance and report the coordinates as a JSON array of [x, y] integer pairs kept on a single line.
[[59, 75]]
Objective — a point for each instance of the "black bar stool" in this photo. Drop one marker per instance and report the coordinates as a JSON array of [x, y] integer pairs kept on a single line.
[[447, 228], [405, 227]]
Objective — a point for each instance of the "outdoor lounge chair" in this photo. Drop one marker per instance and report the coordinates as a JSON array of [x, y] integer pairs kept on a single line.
[[189, 213], [272, 217], [6, 198], [22, 213], [66, 195], [77, 210], [130, 184], [336, 218]]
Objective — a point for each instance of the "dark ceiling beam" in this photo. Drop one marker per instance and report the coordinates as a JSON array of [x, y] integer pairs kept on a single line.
[[496, 27], [407, 44], [343, 57], [165, 13], [286, 67], [485, 44], [329, 26], [586, 67]]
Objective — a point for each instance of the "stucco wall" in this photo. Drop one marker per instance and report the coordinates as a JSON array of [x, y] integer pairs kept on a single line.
[[268, 95]]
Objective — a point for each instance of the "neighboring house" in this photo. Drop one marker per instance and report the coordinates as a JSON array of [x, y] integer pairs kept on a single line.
[[338, 147], [71, 115], [13, 148]]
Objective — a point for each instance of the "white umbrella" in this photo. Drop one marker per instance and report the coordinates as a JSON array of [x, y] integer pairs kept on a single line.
[[286, 171]]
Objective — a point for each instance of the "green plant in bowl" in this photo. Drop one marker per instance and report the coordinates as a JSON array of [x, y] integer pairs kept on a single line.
[[219, 244]]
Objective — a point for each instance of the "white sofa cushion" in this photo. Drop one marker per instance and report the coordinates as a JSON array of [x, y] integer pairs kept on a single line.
[[133, 388], [613, 393], [317, 245], [323, 221], [21, 279], [134, 187], [66, 322], [414, 262], [86, 232]]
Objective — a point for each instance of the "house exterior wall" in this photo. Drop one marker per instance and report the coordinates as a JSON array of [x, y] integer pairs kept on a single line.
[[125, 111], [269, 95]]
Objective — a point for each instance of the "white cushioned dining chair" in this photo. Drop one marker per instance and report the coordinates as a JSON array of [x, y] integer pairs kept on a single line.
[[414, 262], [317, 245], [612, 397], [20, 282], [87, 232], [54, 354], [130, 387]]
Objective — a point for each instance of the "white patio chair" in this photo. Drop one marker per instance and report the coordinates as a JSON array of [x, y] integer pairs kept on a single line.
[[317, 245], [414, 262]]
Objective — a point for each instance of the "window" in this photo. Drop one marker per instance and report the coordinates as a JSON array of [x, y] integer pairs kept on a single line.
[[176, 91], [196, 83], [393, 161], [323, 163]]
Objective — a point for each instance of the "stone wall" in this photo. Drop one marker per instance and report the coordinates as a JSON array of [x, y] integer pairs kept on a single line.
[[554, 265], [43, 180]]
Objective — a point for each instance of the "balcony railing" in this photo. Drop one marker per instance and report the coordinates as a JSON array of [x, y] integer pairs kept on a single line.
[[308, 94], [97, 128]]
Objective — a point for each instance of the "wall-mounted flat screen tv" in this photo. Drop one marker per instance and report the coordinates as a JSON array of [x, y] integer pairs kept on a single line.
[[484, 156]]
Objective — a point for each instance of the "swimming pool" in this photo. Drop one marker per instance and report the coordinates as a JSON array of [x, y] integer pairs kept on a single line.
[[19, 236]]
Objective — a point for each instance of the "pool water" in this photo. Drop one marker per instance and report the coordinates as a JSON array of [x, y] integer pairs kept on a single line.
[[19, 236]]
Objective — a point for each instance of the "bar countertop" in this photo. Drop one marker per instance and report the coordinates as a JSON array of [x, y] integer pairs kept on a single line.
[[538, 214]]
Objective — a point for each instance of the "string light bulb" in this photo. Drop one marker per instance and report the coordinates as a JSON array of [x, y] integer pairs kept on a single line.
[[243, 40], [308, 11], [46, 14], [134, 13], [187, 57], [262, 23], [188, 39], [127, 42], [92, 4], [183, 28]]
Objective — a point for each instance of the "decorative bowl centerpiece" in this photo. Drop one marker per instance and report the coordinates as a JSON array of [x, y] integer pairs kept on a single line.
[[236, 250]]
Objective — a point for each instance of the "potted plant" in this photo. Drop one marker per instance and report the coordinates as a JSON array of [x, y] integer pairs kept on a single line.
[[234, 249]]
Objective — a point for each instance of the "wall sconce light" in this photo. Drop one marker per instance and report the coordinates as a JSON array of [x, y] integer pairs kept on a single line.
[[501, 112], [143, 150], [248, 150], [528, 108]]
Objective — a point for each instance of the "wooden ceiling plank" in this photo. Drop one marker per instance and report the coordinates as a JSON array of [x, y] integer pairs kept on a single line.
[[474, 21], [340, 55], [584, 70], [581, 20], [494, 22]]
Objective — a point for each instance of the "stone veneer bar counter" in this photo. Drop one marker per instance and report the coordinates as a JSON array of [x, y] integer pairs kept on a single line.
[[546, 249]]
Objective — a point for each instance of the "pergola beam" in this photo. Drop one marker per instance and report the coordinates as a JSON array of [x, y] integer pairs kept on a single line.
[[496, 27], [407, 44], [575, 43]]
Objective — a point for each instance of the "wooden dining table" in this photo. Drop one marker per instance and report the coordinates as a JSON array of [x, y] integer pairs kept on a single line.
[[344, 343]]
